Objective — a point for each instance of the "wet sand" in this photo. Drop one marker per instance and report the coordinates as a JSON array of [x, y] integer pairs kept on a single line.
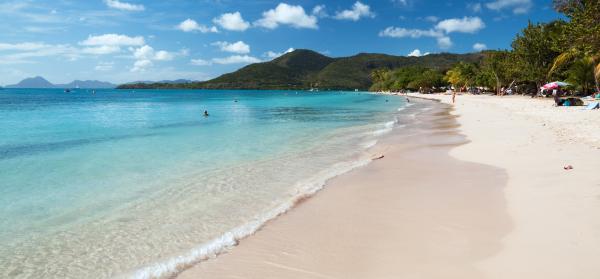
[[416, 213]]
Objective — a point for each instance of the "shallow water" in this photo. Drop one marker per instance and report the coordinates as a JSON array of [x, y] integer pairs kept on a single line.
[[140, 183]]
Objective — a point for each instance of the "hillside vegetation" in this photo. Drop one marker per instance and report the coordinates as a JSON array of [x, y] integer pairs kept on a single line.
[[305, 69]]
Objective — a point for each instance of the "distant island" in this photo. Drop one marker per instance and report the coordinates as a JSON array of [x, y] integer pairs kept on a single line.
[[307, 69], [176, 81], [40, 82]]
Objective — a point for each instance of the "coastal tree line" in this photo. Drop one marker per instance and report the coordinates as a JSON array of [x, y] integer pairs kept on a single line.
[[559, 50]]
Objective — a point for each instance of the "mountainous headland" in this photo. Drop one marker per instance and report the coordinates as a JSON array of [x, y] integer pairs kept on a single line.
[[305, 69]]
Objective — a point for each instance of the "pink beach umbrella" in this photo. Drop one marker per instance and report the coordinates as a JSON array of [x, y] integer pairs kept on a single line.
[[554, 85]]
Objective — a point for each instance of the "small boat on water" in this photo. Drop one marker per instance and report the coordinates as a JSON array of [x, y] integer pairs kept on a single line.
[[67, 90]]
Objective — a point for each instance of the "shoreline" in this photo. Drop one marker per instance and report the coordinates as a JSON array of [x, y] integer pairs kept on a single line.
[[176, 225], [287, 237], [225, 242], [537, 220]]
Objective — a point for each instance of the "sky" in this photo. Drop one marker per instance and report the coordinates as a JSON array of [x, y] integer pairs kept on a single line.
[[131, 40]]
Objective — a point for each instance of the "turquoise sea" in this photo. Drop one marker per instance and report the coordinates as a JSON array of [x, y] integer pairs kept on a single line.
[[122, 183]]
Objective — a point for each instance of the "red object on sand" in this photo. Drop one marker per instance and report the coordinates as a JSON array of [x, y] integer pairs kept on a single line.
[[568, 167]]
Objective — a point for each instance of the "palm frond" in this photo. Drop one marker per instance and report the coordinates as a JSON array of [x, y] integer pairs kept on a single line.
[[563, 59]]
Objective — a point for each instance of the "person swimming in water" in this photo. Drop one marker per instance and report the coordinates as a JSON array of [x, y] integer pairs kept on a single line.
[[205, 113]]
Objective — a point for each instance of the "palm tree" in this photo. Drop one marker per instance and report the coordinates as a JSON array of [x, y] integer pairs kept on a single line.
[[571, 55], [582, 34], [462, 75], [581, 73]]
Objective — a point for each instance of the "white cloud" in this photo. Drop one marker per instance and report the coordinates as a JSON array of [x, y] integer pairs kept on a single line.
[[236, 59], [200, 62], [237, 47], [14, 6], [29, 11], [232, 21], [479, 46], [163, 55], [401, 2], [417, 53], [22, 53], [104, 66], [439, 32], [23, 46], [113, 40], [141, 65], [116, 4], [44, 29], [444, 42], [94, 45], [319, 11], [106, 49], [517, 6], [358, 10], [399, 32], [475, 7], [285, 14], [145, 55], [190, 25], [462, 25], [273, 55], [432, 18], [146, 52]]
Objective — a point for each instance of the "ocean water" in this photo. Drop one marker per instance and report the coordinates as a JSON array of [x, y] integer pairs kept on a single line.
[[122, 183]]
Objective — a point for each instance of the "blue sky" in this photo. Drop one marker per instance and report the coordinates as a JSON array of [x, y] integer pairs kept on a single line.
[[127, 40]]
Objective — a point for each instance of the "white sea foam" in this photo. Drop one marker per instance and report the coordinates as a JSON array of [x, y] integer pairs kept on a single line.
[[369, 144], [222, 244], [304, 189], [407, 105], [158, 217], [387, 127]]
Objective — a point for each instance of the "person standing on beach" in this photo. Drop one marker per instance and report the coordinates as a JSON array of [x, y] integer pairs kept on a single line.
[[453, 96]]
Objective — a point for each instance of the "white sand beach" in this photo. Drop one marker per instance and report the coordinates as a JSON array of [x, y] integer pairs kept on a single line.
[[555, 213], [480, 193]]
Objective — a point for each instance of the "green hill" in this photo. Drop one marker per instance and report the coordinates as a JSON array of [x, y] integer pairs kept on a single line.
[[303, 69]]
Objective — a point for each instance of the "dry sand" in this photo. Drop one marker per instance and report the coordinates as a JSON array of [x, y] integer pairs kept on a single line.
[[497, 204], [555, 213]]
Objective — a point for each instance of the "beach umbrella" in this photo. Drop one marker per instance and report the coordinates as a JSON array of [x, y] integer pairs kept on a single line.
[[551, 85], [555, 84]]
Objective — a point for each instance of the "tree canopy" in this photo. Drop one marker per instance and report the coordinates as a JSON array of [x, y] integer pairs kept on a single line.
[[542, 52]]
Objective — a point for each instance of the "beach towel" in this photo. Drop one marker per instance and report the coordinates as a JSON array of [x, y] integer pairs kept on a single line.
[[593, 105]]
